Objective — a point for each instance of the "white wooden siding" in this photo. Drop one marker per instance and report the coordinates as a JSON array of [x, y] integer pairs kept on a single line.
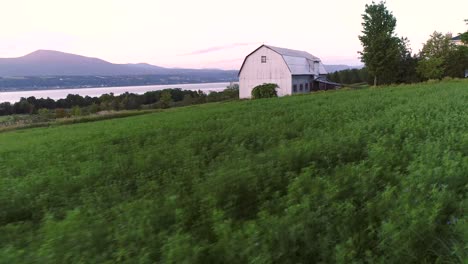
[[254, 73]]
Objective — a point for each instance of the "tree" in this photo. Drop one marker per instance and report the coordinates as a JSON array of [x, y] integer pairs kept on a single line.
[[381, 46], [407, 67], [232, 91], [6, 108], [432, 68], [166, 99], [334, 77], [266, 90], [464, 38], [457, 62], [94, 108], [438, 45], [434, 56], [23, 107]]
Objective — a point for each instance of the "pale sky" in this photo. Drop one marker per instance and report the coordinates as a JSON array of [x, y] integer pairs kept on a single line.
[[209, 33]]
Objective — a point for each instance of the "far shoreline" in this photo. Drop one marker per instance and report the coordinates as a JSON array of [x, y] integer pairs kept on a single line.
[[13, 90], [60, 93]]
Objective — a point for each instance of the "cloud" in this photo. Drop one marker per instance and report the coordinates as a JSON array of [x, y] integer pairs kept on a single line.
[[218, 48]]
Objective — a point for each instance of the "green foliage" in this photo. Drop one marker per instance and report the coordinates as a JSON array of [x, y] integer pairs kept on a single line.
[[266, 90], [76, 111], [407, 72], [230, 93], [125, 101], [60, 113], [94, 108], [350, 76], [431, 68], [464, 38], [457, 62], [166, 99], [437, 46], [350, 176], [439, 57], [44, 113], [381, 47], [106, 104]]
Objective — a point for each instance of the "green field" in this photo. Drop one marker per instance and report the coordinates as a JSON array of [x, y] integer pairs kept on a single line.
[[352, 176]]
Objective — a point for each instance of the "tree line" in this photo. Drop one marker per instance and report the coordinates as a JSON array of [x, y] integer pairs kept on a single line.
[[75, 104], [389, 59]]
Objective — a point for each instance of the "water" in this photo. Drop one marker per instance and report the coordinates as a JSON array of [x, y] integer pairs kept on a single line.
[[55, 94]]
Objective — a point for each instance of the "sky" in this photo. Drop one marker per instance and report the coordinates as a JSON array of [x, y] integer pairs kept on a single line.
[[210, 33]]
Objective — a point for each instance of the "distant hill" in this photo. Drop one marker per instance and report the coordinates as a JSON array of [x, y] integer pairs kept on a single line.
[[55, 63], [340, 67]]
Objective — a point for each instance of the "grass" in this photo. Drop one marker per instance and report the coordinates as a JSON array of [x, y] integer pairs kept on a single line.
[[17, 122], [370, 175], [358, 85]]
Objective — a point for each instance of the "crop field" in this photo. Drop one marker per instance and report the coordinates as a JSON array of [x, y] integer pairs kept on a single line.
[[376, 175]]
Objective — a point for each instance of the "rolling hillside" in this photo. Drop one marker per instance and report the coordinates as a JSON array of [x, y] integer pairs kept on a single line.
[[351, 176]]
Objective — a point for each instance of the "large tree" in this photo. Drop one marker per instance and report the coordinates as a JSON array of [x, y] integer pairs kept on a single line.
[[381, 46], [464, 36], [407, 66], [433, 56], [439, 57]]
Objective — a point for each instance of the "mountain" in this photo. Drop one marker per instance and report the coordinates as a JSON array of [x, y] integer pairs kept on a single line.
[[340, 67], [55, 63]]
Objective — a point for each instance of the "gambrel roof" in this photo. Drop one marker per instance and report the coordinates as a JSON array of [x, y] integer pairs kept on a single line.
[[298, 62]]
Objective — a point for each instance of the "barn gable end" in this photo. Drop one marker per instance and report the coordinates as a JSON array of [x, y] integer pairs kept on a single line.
[[264, 65], [293, 71]]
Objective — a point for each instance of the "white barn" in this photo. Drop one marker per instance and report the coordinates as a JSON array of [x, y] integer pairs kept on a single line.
[[293, 71]]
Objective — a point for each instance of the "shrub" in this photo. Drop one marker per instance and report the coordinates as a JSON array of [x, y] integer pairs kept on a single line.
[[44, 114], [94, 108], [60, 113], [76, 111], [266, 90]]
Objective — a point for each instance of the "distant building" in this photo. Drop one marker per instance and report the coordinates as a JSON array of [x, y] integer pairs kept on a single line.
[[293, 71], [457, 40]]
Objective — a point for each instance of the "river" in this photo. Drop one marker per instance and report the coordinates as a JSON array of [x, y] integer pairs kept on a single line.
[[55, 94]]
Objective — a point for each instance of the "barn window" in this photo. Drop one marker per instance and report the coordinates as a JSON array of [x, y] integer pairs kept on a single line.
[[263, 59], [295, 88], [301, 87], [306, 87]]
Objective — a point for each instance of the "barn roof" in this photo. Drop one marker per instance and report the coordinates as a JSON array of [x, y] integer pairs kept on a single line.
[[326, 81], [299, 62], [292, 53]]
